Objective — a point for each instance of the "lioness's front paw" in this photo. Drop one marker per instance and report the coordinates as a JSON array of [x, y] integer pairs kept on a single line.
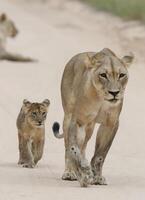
[[69, 175], [99, 180], [81, 167], [85, 175], [86, 179], [28, 165]]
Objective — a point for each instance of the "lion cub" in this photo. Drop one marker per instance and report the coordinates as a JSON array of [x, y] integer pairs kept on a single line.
[[31, 132], [8, 29]]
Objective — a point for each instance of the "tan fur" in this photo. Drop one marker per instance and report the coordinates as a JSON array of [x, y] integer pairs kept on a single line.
[[89, 83], [8, 29], [31, 132]]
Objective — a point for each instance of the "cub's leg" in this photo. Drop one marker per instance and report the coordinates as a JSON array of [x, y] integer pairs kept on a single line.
[[38, 150], [22, 157], [26, 155], [68, 174], [81, 167], [104, 140]]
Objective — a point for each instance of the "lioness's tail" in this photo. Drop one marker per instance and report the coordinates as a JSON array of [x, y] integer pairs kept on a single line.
[[17, 58], [55, 129]]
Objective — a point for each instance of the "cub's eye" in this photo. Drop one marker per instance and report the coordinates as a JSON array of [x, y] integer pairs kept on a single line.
[[121, 75], [34, 114], [103, 75]]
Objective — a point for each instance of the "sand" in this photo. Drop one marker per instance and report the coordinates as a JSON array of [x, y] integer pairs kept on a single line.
[[53, 32]]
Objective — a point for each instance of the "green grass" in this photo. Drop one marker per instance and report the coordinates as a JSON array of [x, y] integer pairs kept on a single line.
[[129, 9]]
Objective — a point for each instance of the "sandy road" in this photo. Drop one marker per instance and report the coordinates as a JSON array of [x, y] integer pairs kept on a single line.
[[53, 33]]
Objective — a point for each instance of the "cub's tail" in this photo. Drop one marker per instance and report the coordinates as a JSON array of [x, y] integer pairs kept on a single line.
[[55, 129]]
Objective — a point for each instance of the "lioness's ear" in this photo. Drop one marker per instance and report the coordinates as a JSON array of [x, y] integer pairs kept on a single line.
[[46, 102], [108, 52], [3, 17], [95, 60], [127, 60], [26, 103]]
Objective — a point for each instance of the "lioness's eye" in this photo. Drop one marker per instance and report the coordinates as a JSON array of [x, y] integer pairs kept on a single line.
[[121, 75], [103, 75], [44, 113]]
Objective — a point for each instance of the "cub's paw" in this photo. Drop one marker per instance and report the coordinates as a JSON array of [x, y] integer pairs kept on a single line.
[[69, 175], [21, 162], [99, 180], [28, 165]]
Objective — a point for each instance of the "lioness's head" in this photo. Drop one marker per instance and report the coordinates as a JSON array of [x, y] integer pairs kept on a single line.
[[36, 112], [7, 26], [109, 73]]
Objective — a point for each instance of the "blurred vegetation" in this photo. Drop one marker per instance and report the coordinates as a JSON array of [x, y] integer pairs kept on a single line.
[[129, 9]]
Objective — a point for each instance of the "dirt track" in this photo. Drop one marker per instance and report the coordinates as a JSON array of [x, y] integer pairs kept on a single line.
[[53, 33]]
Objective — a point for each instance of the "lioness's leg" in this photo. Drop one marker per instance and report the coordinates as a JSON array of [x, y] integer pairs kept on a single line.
[[68, 173], [104, 140], [89, 131], [76, 137]]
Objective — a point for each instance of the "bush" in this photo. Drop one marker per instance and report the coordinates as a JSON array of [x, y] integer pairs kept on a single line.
[[129, 9]]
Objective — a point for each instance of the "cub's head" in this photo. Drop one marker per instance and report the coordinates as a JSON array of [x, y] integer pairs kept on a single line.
[[7, 26], [36, 112], [109, 74]]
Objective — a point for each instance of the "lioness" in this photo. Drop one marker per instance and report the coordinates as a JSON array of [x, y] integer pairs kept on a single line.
[[8, 29], [92, 91], [31, 132]]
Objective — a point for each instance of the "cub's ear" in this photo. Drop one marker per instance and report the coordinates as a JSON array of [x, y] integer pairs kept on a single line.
[[127, 60], [95, 60], [3, 17], [46, 102], [26, 103]]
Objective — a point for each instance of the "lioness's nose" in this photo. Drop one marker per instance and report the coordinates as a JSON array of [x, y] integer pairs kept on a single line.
[[113, 93], [39, 122]]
